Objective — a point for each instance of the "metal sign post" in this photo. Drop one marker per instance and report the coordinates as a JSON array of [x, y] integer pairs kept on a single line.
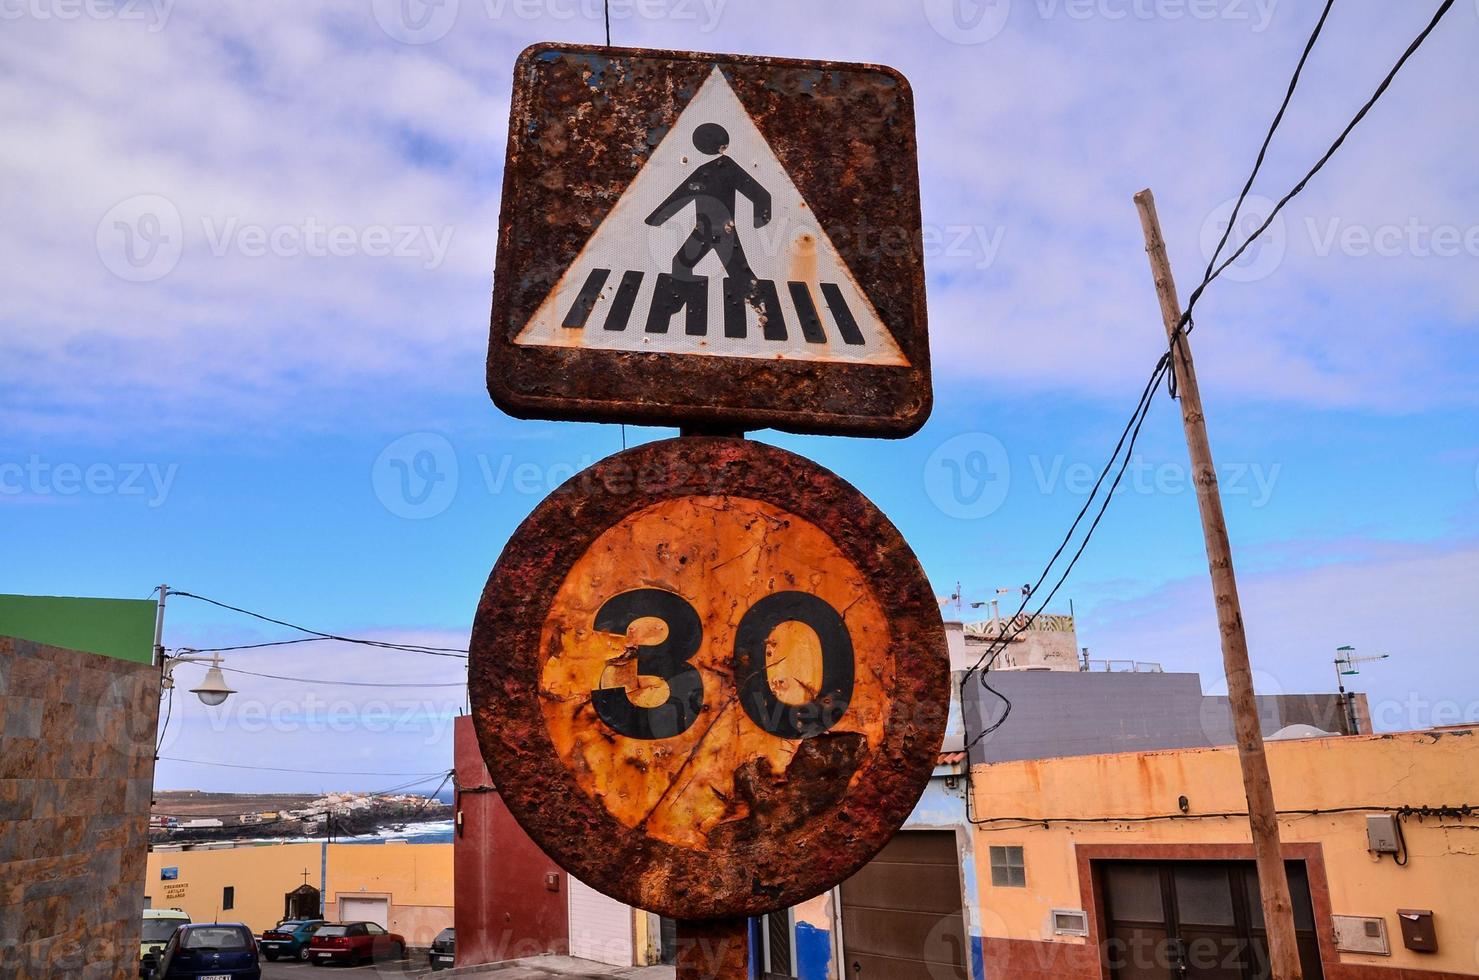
[[708, 677]]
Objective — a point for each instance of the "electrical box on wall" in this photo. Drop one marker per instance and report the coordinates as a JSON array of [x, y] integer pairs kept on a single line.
[[1361, 934], [1381, 833], [1418, 933]]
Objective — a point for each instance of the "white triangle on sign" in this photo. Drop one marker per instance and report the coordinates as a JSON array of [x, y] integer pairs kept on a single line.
[[712, 250]]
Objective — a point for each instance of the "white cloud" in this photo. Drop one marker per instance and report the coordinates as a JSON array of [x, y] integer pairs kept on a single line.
[[278, 115], [1413, 601]]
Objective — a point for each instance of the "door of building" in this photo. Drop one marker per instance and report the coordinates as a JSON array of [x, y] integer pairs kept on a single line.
[[358, 909], [776, 932], [902, 914], [600, 926], [302, 903], [1196, 920]]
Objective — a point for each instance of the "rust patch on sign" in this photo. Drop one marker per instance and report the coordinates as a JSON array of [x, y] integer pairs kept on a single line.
[[722, 555], [739, 772]]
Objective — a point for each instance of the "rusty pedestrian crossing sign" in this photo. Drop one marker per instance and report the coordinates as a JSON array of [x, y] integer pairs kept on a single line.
[[717, 242]]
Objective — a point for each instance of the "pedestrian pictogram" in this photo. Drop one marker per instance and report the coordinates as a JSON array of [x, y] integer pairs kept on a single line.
[[716, 241], [712, 250]]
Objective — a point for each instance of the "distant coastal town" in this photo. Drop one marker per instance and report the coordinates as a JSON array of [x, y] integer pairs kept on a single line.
[[191, 816]]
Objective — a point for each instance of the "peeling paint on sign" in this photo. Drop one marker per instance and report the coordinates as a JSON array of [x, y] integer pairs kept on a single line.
[[709, 678], [721, 555]]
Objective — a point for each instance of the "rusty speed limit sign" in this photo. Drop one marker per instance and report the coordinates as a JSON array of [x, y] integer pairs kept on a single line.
[[709, 677], [710, 240]]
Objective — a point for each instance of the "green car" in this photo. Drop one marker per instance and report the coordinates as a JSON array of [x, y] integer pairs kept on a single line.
[[289, 939], [159, 925]]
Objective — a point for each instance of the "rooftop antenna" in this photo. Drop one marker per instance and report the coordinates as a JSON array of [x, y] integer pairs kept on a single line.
[[1346, 660]]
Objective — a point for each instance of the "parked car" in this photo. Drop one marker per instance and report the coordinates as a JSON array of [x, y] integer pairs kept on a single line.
[[354, 942], [159, 925], [289, 939], [208, 951], [443, 949]]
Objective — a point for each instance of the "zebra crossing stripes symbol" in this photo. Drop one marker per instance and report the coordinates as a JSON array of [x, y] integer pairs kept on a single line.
[[712, 250], [690, 296]]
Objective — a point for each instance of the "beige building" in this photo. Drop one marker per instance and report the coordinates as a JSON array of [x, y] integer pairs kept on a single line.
[[1122, 866], [407, 888]]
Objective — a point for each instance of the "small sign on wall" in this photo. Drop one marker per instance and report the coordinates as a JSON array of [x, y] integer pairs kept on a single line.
[[169, 874]]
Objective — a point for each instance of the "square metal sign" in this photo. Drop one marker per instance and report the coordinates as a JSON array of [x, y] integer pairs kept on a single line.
[[717, 242]]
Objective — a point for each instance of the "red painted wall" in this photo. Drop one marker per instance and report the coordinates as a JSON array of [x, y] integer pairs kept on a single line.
[[504, 909]]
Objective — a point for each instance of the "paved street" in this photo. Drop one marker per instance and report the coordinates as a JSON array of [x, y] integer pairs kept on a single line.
[[293, 970], [536, 968]]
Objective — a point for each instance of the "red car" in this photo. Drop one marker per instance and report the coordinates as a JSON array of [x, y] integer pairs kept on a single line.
[[354, 942]]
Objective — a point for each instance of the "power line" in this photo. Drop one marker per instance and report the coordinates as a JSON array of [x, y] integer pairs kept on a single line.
[[309, 772], [1130, 434], [320, 634], [338, 683], [1258, 163], [1163, 367], [253, 646], [1406, 810], [1319, 164]]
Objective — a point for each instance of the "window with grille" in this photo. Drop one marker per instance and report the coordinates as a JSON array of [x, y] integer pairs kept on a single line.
[[1008, 869]]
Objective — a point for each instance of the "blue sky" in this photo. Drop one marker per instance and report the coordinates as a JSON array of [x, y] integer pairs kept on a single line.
[[222, 412]]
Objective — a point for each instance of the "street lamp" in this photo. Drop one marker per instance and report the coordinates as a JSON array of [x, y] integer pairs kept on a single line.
[[212, 690], [1345, 666]]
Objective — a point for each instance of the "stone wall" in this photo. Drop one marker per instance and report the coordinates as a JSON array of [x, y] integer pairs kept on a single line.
[[76, 774]]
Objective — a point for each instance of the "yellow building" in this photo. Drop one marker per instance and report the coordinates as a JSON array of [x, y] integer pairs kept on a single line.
[[407, 888], [1122, 866]]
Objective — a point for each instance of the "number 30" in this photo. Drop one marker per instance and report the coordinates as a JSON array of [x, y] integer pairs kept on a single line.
[[669, 659]]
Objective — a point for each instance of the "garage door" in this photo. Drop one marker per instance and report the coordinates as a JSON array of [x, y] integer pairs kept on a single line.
[[600, 927], [902, 914], [376, 910]]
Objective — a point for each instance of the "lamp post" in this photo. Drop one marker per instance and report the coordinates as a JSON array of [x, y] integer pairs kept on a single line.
[[1346, 659], [212, 690]]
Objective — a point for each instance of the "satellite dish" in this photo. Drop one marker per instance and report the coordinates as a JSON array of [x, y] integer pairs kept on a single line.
[[1291, 732]]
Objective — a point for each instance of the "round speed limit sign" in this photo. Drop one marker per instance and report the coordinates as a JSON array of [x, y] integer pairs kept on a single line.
[[709, 678]]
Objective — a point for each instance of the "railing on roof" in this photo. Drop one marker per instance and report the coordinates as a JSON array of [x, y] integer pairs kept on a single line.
[[1123, 666]]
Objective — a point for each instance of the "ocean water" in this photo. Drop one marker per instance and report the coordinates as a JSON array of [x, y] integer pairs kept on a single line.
[[427, 832]]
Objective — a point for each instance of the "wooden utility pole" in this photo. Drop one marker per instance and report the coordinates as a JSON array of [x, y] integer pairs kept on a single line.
[[1273, 883]]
